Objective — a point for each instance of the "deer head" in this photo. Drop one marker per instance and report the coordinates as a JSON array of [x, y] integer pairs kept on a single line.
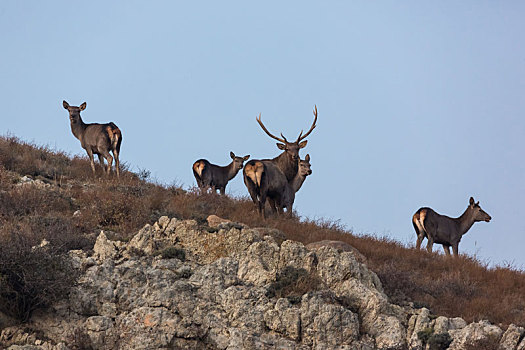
[[478, 213], [74, 112], [291, 149], [238, 161], [304, 167]]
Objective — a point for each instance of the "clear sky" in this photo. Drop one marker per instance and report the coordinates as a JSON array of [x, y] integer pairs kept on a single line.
[[420, 103]]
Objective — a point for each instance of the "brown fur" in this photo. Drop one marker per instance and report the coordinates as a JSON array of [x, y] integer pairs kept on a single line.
[[444, 230]]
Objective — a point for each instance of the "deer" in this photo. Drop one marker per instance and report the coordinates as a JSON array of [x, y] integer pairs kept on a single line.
[[264, 178], [445, 230], [288, 197], [96, 138], [216, 177]]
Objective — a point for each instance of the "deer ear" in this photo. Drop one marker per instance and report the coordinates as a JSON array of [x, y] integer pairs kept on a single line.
[[232, 155], [83, 106], [307, 158], [65, 104], [303, 144], [245, 158], [281, 146], [477, 204], [471, 201]]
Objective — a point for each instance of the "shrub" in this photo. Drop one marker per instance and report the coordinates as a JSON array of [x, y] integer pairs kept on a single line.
[[293, 283], [173, 252], [32, 278]]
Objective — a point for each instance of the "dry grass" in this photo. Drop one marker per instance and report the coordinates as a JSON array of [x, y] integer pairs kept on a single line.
[[461, 287]]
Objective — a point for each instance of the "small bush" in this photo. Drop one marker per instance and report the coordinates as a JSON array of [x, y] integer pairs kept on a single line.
[[435, 341], [32, 278], [293, 283], [172, 253]]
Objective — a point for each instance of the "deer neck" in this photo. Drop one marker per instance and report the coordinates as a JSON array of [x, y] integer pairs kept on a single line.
[[465, 221], [287, 166], [231, 171], [78, 128], [297, 182]]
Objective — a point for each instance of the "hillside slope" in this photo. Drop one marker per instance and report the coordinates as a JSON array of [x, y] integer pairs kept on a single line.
[[46, 194]]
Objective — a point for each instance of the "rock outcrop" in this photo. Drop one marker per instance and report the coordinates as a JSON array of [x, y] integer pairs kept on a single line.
[[179, 285]]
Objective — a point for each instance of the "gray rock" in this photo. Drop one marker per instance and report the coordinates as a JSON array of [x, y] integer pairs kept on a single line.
[[475, 334], [511, 338], [235, 288]]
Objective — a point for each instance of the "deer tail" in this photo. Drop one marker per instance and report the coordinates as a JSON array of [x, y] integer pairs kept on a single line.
[[254, 170], [115, 136], [198, 168], [418, 221]]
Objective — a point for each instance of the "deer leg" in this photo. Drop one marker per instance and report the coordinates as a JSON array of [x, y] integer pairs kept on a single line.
[[262, 202], [446, 248], [272, 204], [419, 241], [222, 190], [430, 243], [101, 160], [455, 249], [117, 162], [289, 210], [109, 159], [91, 159]]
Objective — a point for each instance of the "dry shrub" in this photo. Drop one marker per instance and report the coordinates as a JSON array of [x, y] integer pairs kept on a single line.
[[293, 283], [31, 278]]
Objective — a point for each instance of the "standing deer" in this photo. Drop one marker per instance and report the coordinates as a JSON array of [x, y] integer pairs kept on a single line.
[[215, 176], [269, 177], [293, 187], [445, 230], [95, 138]]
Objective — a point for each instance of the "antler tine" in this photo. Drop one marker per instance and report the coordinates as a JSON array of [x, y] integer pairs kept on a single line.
[[284, 138], [267, 132], [302, 137]]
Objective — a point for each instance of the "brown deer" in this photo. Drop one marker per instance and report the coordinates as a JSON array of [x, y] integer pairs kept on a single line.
[[288, 161], [293, 187], [95, 138], [265, 180], [215, 176], [445, 230], [270, 177]]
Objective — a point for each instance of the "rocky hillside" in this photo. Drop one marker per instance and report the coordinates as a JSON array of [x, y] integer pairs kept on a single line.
[[178, 284]]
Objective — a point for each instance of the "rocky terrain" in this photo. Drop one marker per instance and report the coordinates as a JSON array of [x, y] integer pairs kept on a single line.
[[178, 284]]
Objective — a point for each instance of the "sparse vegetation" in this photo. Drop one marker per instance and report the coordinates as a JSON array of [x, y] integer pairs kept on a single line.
[[173, 252], [31, 277], [463, 287], [435, 341], [292, 283]]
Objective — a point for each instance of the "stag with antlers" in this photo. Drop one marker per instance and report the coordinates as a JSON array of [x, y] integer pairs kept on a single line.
[[271, 177]]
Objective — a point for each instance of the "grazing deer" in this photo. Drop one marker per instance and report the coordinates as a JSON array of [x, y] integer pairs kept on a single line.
[[444, 230], [270, 177], [215, 176], [96, 138], [288, 197]]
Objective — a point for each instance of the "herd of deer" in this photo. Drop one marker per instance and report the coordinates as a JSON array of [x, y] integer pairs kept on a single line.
[[276, 180]]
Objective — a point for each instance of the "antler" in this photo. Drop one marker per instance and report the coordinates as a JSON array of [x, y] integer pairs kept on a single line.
[[301, 136], [267, 132]]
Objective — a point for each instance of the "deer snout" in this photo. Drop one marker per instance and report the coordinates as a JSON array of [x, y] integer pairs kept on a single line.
[[488, 218], [309, 172]]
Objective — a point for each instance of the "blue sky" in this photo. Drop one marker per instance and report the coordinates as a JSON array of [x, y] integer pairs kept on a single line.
[[420, 104]]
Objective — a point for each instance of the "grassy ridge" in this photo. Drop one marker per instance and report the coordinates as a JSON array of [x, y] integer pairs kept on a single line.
[[462, 287]]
